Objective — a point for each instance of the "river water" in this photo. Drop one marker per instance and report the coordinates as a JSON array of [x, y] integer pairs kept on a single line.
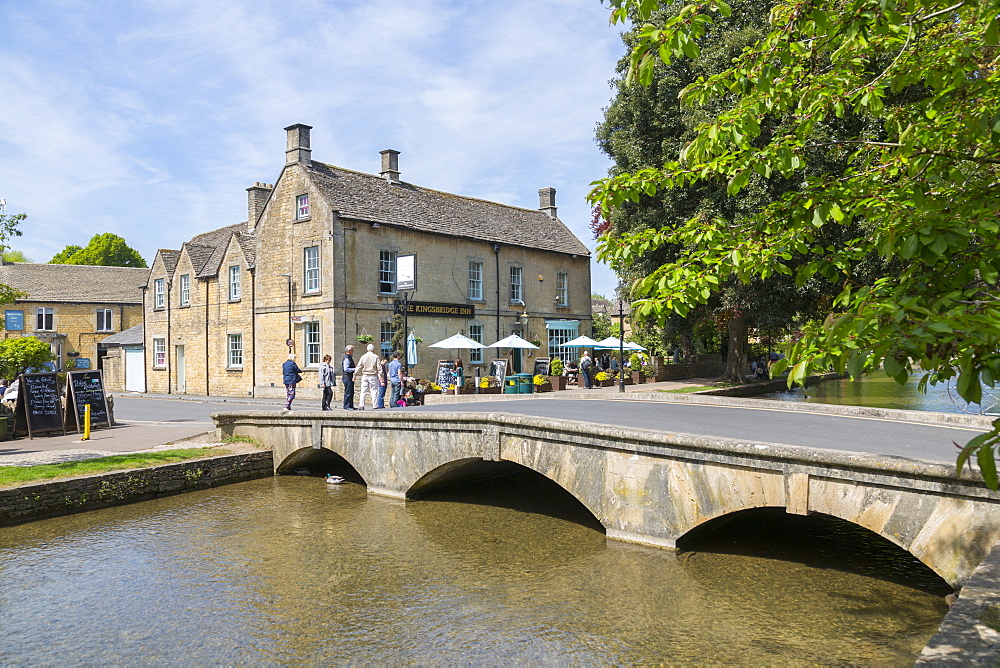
[[291, 570]]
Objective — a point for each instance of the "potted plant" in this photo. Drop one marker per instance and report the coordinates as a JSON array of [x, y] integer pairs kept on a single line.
[[541, 383], [604, 379], [489, 385], [365, 338], [635, 363], [556, 376]]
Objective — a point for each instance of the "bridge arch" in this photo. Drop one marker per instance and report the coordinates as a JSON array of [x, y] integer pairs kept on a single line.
[[652, 487]]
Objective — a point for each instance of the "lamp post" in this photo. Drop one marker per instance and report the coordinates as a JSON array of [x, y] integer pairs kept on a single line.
[[289, 277], [621, 342]]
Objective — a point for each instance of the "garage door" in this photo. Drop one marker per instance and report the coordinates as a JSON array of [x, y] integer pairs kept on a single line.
[[135, 370]]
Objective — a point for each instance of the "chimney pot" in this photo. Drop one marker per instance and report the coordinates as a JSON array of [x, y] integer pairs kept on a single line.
[[547, 201], [390, 165], [257, 195], [297, 144]]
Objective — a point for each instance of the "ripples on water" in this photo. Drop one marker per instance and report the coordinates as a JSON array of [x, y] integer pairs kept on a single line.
[[290, 570]]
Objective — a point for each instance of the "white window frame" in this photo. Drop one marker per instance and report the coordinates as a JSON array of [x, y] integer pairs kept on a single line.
[[159, 353], [385, 333], [517, 285], [476, 334], [185, 289], [302, 207], [313, 342], [159, 294], [234, 351], [562, 288], [45, 319], [235, 289], [557, 337], [475, 281], [310, 268], [105, 320], [387, 271]]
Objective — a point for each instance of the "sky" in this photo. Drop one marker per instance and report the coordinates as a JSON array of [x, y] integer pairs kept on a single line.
[[149, 119]]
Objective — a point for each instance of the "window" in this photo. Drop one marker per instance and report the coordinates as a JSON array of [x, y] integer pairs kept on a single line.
[[516, 285], [310, 264], [158, 294], [476, 334], [387, 272], [559, 336], [385, 333], [475, 280], [235, 348], [43, 319], [104, 320], [159, 352], [312, 343], [301, 207], [234, 283], [185, 289], [562, 289]]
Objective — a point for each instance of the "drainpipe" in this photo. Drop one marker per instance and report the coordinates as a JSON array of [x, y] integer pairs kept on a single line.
[[208, 389], [145, 386], [496, 251], [253, 330], [170, 367]]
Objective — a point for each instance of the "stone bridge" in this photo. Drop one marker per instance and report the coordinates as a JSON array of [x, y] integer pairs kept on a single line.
[[644, 486]]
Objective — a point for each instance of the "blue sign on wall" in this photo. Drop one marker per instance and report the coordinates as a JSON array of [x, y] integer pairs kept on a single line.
[[13, 321], [82, 363]]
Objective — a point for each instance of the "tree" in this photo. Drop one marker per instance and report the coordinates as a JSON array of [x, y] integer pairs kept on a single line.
[[918, 188], [108, 250], [23, 355], [15, 256], [9, 228], [643, 128]]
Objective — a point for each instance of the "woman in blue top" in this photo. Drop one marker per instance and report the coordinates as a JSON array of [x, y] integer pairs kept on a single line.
[[291, 376]]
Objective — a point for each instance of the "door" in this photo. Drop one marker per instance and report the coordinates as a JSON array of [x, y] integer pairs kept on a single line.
[[181, 376], [135, 370]]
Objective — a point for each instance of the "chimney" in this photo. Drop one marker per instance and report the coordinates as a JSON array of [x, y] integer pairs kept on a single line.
[[547, 201], [257, 195], [297, 149], [390, 165]]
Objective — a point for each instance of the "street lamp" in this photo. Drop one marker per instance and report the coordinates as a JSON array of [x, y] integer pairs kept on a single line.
[[621, 342], [289, 277]]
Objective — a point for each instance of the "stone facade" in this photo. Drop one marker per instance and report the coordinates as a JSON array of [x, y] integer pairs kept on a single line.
[[73, 307], [316, 264]]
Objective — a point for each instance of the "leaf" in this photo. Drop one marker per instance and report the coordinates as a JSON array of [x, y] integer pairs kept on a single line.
[[971, 447], [987, 465]]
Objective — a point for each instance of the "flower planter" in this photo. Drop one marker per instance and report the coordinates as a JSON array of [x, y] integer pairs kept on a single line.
[[544, 387], [490, 390], [604, 383], [558, 382], [638, 377]]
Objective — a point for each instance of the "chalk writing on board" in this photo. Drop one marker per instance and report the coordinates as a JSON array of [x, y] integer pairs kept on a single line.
[[87, 387], [445, 375], [41, 403], [498, 369]]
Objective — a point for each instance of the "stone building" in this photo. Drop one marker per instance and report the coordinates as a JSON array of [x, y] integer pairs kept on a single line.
[[315, 264], [72, 307]]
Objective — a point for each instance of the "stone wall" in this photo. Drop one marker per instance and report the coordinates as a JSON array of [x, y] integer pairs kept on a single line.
[[61, 497]]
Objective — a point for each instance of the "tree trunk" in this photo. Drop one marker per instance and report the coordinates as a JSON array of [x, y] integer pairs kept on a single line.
[[736, 359]]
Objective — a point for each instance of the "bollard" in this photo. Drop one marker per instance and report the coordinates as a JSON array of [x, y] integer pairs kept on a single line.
[[86, 422]]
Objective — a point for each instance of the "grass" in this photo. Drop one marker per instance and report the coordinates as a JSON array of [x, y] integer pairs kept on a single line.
[[11, 476], [693, 388], [244, 439]]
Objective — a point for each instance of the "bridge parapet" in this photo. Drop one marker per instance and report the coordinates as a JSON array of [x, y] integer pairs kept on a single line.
[[652, 487]]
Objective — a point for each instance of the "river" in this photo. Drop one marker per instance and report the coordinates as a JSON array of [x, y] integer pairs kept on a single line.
[[291, 570]]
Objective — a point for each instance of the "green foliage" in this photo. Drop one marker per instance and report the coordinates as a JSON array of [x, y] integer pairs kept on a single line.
[[15, 256], [9, 228], [25, 354], [107, 250], [602, 326], [905, 94], [556, 367]]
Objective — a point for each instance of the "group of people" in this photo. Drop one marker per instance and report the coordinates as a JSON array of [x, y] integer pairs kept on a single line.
[[373, 374], [587, 368]]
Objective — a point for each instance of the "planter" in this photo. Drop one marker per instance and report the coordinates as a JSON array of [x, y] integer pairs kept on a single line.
[[558, 382], [544, 387], [604, 383], [490, 390], [638, 377]]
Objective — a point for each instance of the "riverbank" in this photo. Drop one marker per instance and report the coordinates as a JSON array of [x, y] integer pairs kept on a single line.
[[36, 501]]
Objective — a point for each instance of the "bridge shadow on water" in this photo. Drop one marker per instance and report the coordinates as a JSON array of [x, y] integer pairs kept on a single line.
[[815, 540]]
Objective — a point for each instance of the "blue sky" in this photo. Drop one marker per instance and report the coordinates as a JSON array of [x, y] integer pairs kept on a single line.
[[150, 119]]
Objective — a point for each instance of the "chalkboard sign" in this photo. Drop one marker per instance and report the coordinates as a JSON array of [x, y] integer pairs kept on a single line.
[[498, 369], [445, 375], [541, 366], [38, 406], [86, 387]]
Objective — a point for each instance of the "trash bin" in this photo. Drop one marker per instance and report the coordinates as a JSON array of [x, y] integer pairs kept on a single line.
[[524, 383], [510, 385]]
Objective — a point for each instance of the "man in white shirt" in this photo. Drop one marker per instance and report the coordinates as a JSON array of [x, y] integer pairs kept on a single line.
[[370, 371]]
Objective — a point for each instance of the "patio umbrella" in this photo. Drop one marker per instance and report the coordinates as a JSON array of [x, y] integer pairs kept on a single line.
[[513, 341], [411, 350], [457, 341], [610, 342], [633, 346], [580, 342]]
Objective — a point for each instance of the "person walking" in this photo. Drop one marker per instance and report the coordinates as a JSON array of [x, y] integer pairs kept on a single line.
[[348, 376], [369, 371], [291, 376], [395, 380], [327, 381], [383, 377], [586, 366]]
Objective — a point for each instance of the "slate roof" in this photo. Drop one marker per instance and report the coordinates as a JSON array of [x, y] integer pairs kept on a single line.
[[208, 249], [372, 198], [133, 336], [75, 283], [170, 258]]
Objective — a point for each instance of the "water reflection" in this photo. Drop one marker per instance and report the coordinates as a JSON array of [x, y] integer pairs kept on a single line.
[[880, 391], [291, 570]]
